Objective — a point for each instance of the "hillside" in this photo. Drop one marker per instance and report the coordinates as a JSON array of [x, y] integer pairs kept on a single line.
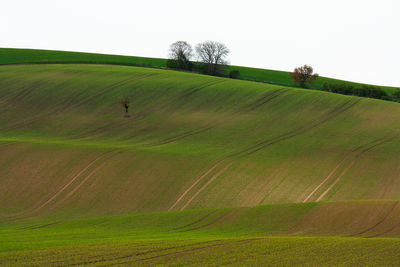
[[33, 56], [200, 159], [212, 142]]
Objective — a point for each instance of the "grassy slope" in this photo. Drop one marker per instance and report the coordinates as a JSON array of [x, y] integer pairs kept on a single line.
[[61, 129], [255, 143], [289, 232], [18, 56]]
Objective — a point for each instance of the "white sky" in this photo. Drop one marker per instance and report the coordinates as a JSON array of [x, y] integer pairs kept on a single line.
[[356, 40]]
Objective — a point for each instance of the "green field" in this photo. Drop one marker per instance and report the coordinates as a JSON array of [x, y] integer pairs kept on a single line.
[[205, 171], [33, 56]]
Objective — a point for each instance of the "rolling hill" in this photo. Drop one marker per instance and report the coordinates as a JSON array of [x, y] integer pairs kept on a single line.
[[35, 56], [200, 159]]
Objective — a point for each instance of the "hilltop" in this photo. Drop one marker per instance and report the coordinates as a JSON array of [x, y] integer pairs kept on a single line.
[[35, 56]]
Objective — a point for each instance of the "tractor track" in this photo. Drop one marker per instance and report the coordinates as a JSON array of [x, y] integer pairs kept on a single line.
[[53, 197], [361, 153], [137, 254], [249, 107], [383, 220], [198, 220], [230, 159], [70, 193], [217, 220], [188, 250], [370, 145], [63, 108]]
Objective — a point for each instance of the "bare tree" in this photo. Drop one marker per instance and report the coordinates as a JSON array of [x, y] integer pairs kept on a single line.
[[125, 101], [213, 54], [180, 54], [303, 75]]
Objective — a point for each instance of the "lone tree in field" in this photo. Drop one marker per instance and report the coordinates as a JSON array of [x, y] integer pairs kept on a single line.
[[125, 103], [303, 75], [180, 54], [213, 55]]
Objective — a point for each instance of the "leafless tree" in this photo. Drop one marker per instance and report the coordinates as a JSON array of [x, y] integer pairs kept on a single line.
[[213, 54], [303, 75], [125, 101], [180, 54]]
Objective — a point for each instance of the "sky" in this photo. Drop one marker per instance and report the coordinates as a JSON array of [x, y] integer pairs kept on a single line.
[[355, 40]]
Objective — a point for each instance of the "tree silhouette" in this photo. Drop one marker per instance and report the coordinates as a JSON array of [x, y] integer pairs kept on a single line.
[[125, 103]]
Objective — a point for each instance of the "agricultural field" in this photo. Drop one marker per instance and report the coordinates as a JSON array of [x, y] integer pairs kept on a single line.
[[205, 171], [32, 56]]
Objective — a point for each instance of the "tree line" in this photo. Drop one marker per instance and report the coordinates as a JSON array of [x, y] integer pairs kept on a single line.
[[211, 59], [303, 76]]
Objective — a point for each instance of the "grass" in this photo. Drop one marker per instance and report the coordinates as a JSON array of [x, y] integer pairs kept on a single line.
[[277, 251], [271, 234], [256, 143], [33, 56], [202, 159]]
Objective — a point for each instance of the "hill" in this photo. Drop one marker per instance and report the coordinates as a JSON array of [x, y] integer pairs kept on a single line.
[[213, 142], [34, 56], [202, 159]]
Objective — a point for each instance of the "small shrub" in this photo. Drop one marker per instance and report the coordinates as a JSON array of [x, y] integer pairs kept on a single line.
[[234, 74]]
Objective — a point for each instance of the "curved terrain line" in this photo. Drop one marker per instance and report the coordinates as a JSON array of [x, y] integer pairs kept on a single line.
[[132, 255], [337, 180], [185, 94], [188, 250], [75, 105], [352, 162], [272, 95], [206, 184], [110, 87], [183, 135], [337, 166], [25, 92], [261, 145], [300, 130], [198, 220], [194, 184], [80, 184], [217, 220], [63, 188], [261, 101], [327, 177], [155, 107], [252, 106], [378, 223], [385, 232]]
